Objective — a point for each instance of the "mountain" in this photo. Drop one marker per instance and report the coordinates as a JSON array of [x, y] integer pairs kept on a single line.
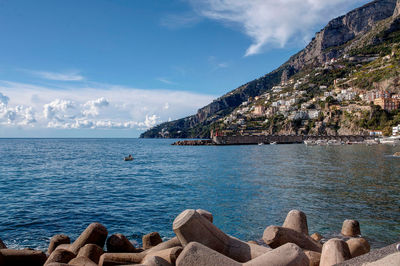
[[365, 27]]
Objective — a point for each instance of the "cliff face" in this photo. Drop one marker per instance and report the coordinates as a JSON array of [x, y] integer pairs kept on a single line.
[[341, 30], [329, 43]]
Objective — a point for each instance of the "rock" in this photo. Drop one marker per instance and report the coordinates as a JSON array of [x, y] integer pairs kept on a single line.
[[334, 251], [60, 255], [252, 242], [276, 236], [390, 260], [95, 233], [169, 255], [119, 243], [91, 251], [2, 245], [57, 240], [206, 214], [197, 254], [151, 240], [57, 264], [316, 237], [358, 246], [190, 226], [313, 257], [23, 257], [82, 261], [296, 220], [351, 228]]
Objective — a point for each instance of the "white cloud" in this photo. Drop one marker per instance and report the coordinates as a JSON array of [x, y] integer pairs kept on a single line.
[[18, 115], [58, 76], [92, 107], [273, 22], [166, 81], [58, 110], [114, 107], [177, 21]]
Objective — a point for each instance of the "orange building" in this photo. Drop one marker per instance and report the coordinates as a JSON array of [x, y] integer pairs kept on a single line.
[[388, 104]]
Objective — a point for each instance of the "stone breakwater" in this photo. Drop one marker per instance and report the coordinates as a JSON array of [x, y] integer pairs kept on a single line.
[[199, 242]]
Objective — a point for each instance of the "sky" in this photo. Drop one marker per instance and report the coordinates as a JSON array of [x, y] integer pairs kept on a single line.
[[114, 68]]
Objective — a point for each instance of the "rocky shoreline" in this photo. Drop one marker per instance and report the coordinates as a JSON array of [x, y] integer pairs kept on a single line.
[[199, 242]]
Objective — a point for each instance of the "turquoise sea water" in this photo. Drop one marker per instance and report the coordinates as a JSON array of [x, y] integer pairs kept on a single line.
[[51, 186]]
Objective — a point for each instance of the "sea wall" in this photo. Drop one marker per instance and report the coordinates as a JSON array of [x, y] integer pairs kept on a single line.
[[282, 139], [200, 242]]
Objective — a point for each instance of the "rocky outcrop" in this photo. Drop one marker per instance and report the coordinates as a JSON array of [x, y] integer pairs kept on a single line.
[[342, 30]]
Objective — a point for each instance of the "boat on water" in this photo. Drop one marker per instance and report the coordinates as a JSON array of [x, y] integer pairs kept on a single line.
[[396, 154], [260, 144], [129, 158], [273, 143]]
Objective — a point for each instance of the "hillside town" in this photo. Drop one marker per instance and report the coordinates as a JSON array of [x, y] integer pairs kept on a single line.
[[318, 102]]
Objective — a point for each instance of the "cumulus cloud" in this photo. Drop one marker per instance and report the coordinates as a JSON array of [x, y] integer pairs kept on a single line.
[[58, 110], [18, 115], [91, 108], [273, 22], [115, 107]]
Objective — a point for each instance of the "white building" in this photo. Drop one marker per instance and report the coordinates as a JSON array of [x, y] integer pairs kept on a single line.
[[396, 130]]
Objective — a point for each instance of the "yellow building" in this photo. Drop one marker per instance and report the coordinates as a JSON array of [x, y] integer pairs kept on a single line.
[[388, 104]]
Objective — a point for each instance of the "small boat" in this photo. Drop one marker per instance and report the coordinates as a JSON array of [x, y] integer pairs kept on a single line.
[[273, 143], [260, 144], [396, 154], [129, 158]]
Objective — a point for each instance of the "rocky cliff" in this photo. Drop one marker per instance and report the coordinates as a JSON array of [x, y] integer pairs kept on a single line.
[[331, 42]]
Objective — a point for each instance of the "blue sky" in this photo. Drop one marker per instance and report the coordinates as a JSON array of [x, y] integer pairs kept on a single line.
[[112, 68]]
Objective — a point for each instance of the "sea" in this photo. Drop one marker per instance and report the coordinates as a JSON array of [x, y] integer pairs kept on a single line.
[[54, 186]]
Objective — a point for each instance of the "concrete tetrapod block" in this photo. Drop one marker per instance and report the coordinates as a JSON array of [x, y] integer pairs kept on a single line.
[[64, 246], [289, 255], [91, 251], [334, 251], [135, 258], [60, 255], [276, 236], [173, 242], [82, 261], [358, 246], [168, 255], [190, 226], [296, 220], [351, 228], [206, 214], [155, 261], [313, 257], [57, 240], [2, 245], [23, 257], [119, 243], [95, 233], [390, 260], [316, 236], [108, 259], [151, 240], [197, 254]]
